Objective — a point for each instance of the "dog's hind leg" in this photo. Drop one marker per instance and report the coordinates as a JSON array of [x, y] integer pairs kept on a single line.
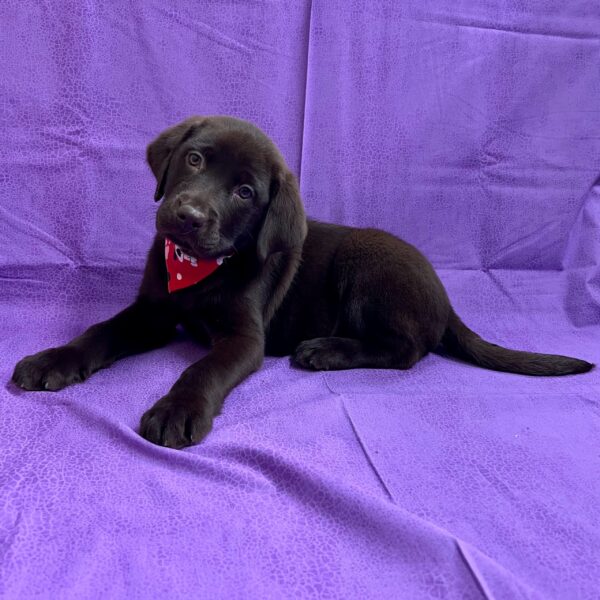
[[335, 353]]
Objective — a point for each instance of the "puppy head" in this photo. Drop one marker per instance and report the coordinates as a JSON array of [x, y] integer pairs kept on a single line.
[[226, 187]]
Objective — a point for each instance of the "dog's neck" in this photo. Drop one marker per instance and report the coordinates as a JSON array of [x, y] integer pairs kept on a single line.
[[184, 270]]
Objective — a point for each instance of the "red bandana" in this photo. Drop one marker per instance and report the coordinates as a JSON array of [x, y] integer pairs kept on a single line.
[[185, 270]]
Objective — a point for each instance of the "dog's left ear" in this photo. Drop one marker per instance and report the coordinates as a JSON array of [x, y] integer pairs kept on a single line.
[[284, 226], [159, 152]]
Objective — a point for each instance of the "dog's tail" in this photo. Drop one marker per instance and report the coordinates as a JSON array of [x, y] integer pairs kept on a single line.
[[463, 343]]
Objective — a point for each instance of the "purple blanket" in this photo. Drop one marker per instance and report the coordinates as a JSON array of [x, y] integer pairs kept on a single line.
[[469, 128]]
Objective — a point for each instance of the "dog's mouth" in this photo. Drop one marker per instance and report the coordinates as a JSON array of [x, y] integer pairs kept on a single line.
[[185, 246], [206, 250]]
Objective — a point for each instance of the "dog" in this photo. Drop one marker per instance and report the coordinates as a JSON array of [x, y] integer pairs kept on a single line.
[[262, 279]]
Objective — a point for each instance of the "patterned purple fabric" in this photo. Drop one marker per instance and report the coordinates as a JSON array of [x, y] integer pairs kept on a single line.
[[470, 128]]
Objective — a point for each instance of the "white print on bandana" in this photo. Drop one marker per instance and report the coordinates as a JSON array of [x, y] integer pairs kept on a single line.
[[180, 255]]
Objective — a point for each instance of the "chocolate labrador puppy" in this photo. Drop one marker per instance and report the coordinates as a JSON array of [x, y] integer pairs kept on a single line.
[[236, 262]]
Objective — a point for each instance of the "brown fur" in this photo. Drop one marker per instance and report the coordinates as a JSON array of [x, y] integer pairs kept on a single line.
[[333, 297]]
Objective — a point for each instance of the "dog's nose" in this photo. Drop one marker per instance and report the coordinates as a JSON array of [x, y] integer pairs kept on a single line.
[[190, 216]]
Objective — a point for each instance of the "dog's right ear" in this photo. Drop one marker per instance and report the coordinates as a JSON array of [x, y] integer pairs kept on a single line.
[[159, 152]]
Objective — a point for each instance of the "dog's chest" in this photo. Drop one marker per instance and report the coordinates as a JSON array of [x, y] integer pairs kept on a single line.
[[202, 309]]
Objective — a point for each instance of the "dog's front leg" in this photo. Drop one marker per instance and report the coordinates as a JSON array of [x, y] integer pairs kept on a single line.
[[184, 416], [144, 325]]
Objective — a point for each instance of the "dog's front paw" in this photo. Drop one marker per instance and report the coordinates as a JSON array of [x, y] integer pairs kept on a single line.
[[51, 369], [175, 422]]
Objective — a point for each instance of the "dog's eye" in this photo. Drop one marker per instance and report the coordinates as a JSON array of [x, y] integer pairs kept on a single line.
[[194, 159], [245, 192]]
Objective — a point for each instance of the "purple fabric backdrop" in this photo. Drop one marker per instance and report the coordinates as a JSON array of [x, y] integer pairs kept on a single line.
[[472, 131]]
